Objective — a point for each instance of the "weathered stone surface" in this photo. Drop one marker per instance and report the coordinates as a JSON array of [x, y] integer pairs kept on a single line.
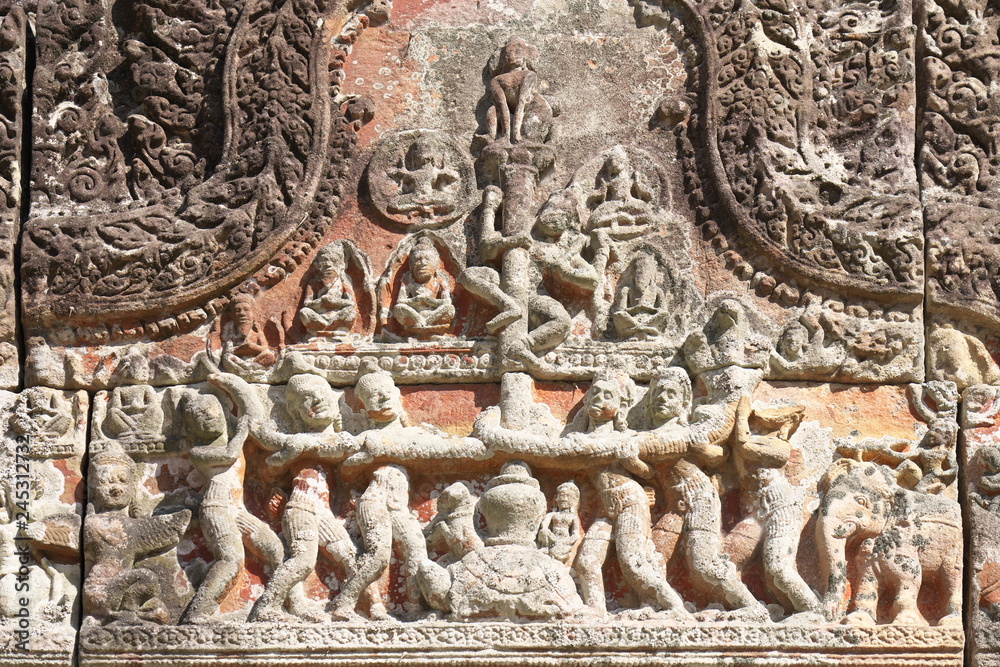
[[41, 478], [501, 333]]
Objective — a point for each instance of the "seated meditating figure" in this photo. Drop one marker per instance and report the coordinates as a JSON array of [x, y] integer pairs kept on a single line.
[[135, 415], [640, 309], [243, 336], [424, 306], [329, 306]]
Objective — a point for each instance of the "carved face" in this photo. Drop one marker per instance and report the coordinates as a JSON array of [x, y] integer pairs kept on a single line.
[[204, 418], [667, 400], [315, 404], [793, 342], [424, 263], [330, 262], [242, 311], [518, 54], [603, 400], [554, 220], [382, 401], [645, 270], [567, 497], [111, 485], [728, 314], [978, 399]]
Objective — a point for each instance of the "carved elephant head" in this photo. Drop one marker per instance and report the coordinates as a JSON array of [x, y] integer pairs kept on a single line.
[[857, 504]]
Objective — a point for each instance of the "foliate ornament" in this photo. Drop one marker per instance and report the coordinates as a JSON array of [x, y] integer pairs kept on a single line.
[[958, 159], [191, 175], [798, 144], [421, 179]]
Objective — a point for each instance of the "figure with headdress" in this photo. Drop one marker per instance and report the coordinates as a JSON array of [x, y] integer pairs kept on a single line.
[[383, 513], [117, 588], [640, 310], [243, 336], [680, 451], [229, 528], [556, 250], [423, 306], [308, 522], [329, 303], [561, 531]]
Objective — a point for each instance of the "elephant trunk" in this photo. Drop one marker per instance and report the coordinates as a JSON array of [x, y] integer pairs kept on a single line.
[[832, 547]]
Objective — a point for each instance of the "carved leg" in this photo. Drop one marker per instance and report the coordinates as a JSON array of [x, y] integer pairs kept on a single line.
[[905, 568], [132, 598], [632, 542], [443, 314], [866, 595], [260, 540], [951, 580], [780, 546], [502, 110], [222, 534], [590, 564], [716, 573], [484, 283], [407, 316], [376, 532], [300, 526], [552, 323], [703, 526], [413, 546]]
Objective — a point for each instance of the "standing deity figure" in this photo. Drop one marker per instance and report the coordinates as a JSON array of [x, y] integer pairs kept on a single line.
[[773, 510], [681, 450], [936, 458], [116, 588], [329, 304], [308, 522], [229, 528], [423, 306], [561, 531]]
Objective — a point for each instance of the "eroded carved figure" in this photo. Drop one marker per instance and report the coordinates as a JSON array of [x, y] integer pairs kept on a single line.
[[330, 305], [117, 588], [424, 304]]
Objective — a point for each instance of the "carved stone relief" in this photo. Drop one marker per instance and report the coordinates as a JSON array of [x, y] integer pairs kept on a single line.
[[41, 479], [492, 333]]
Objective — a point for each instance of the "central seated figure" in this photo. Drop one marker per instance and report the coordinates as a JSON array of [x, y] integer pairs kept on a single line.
[[423, 307]]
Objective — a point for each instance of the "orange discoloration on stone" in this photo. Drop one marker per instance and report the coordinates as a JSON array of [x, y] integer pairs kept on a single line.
[[874, 411]]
